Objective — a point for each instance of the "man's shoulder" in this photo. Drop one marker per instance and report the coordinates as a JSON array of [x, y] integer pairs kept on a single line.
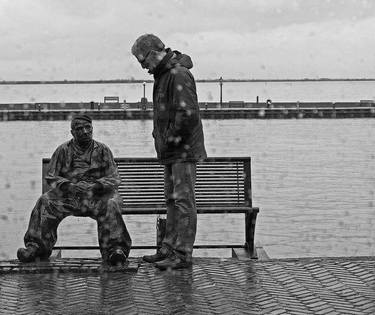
[[179, 70], [64, 146], [101, 145], [181, 75]]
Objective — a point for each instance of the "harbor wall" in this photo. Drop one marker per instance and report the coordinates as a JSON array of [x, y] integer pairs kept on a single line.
[[359, 112], [212, 110]]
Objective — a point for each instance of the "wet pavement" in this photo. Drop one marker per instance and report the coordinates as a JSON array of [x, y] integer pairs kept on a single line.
[[337, 285]]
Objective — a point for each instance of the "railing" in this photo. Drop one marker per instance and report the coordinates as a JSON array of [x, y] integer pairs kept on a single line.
[[113, 103]]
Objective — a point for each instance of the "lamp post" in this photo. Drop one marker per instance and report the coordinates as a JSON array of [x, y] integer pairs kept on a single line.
[[221, 91], [144, 99]]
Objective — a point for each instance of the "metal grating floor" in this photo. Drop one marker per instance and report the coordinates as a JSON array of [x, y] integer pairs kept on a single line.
[[211, 286]]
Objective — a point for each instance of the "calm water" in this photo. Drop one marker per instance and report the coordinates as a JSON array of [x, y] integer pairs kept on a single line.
[[314, 181], [345, 91]]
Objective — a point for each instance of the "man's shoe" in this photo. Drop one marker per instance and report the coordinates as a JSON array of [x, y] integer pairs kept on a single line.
[[173, 262], [117, 257], [160, 255], [27, 254]]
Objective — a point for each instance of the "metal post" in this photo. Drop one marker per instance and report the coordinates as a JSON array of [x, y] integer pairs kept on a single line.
[[221, 91], [144, 99]]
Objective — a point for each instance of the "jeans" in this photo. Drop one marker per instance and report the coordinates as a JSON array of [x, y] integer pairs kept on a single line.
[[181, 226], [51, 208]]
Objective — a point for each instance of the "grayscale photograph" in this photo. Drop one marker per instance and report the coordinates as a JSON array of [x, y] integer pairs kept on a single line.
[[187, 157]]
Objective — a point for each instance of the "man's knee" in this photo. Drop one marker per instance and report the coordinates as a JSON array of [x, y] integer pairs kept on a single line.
[[183, 192], [47, 200], [113, 205], [185, 202], [44, 199], [49, 197]]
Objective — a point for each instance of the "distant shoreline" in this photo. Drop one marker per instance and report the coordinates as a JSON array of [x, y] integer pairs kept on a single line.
[[132, 81]]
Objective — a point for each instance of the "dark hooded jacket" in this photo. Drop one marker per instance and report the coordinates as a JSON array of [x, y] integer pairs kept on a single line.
[[178, 131]]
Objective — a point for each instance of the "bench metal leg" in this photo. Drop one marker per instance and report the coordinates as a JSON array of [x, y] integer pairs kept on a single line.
[[250, 220]]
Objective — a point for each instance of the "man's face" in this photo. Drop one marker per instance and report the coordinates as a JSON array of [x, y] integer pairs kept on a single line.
[[149, 61], [82, 131]]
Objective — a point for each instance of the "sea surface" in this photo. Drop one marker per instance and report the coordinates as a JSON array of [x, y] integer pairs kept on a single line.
[[314, 181], [315, 91]]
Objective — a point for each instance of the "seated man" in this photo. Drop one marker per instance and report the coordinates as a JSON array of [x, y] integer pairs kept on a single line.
[[84, 179]]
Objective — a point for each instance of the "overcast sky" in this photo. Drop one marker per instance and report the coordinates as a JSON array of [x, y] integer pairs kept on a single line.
[[91, 39]]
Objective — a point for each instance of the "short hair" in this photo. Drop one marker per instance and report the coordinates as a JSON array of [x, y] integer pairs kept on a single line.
[[79, 117], [145, 43]]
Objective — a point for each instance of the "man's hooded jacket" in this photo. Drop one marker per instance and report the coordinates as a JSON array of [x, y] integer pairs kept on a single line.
[[178, 131]]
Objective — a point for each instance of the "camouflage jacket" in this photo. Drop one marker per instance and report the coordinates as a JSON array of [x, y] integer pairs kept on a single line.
[[99, 166]]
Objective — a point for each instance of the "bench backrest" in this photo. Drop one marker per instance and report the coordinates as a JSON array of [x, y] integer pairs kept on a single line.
[[221, 181]]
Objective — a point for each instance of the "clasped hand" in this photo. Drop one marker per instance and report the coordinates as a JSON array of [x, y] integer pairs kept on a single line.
[[83, 188]]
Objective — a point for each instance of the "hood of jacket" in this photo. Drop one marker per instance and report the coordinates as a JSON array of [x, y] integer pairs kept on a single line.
[[172, 59]]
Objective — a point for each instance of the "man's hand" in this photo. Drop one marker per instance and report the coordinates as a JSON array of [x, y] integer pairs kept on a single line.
[[99, 189], [90, 189], [80, 188], [83, 187]]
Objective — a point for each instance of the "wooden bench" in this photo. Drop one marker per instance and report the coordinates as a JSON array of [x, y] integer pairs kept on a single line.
[[223, 185]]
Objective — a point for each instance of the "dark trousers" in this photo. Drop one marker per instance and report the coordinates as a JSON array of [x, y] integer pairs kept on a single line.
[[52, 207], [179, 186]]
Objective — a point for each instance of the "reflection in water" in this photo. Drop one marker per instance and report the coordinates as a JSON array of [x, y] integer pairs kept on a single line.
[[44, 290], [179, 287], [89, 294]]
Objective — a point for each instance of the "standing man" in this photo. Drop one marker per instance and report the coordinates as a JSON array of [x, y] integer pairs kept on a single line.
[[179, 144], [84, 179]]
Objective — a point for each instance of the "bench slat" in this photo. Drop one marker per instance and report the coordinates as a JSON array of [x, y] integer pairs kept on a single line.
[[213, 197], [200, 210], [209, 201], [160, 194], [219, 187], [200, 176], [198, 194], [199, 169], [202, 173], [199, 183], [157, 169], [214, 186], [218, 182], [150, 202], [161, 205]]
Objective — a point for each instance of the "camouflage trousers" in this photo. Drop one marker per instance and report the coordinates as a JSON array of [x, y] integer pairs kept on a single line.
[[52, 207], [181, 225]]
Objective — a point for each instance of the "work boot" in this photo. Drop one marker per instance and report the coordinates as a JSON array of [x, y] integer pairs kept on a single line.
[[173, 262], [161, 254], [27, 254], [117, 257]]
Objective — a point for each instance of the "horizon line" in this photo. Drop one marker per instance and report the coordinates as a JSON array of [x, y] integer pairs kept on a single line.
[[120, 81]]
